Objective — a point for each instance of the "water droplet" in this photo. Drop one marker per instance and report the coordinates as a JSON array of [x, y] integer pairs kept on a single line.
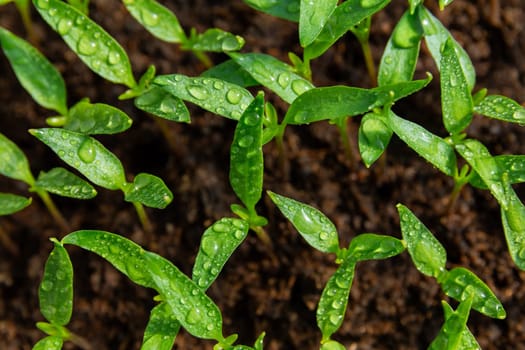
[[453, 81], [341, 281], [236, 115], [218, 85], [52, 12], [96, 63], [202, 282], [220, 227], [113, 57], [238, 234], [86, 46], [334, 318], [195, 292], [43, 4], [193, 316], [150, 18], [370, 3], [206, 265], [519, 114], [87, 152], [246, 141], [300, 86], [230, 44], [234, 96], [210, 327], [336, 304], [209, 246], [64, 26], [521, 253], [47, 286], [61, 153], [283, 80], [331, 292], [79, 20], [197, 91], [114, 249], [323, 236], [251, 119]]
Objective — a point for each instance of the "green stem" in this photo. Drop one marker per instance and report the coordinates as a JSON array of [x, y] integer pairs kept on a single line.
[[342, 125], [263, 235], [204, 58], [279, 141], [24, 10], [143, 217], [53, 210], [369, 61]]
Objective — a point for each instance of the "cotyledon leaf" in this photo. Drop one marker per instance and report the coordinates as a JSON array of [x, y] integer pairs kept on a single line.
[[161, 330], [149, 190], [56, 289], [161, 103], [273, 74], [332, 345], [218, 243], [374, 136], [13, 162], [160, 21], [96, 118], [514, 166], [36, 74], [370, 246], [502, 108], [426, 252], [11, 203], [513, 220], [467, 342], [93, 45], [214, 95], [311, 223], [49, 343], [452, 335], [286, 9], [214, 40], [65, 183], [85, 154], [312, 17]]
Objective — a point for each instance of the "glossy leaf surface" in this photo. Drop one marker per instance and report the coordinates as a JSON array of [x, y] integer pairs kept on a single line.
[[429, 146], [161, 330], [246, 155], [11, 203], [161, 103], [286, 9], [85, 154], [369, 246], [332, 345], [512, 165], [374, 136], [502, 108], [196, 312], [214, 40], [461, 284], [36, 74], [125, 255], [214, 95], [454, 334], [93, 45], [273, 74], [96, 118], [231, 72], [334, 299], [311, 223], [13, 162], [513, 220], [426, 252], [160, 21], [218, 243], [56, 289], [313, 15], [49, 343], [149, 190], [64, 183]]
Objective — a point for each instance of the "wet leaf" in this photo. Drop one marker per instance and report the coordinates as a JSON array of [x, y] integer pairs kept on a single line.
[[231, 72], [502, 108], [374, 137], [286, 9], [313, 15], [513, 165], [13, 162], [11, 203], [64, 183], [369, 246], [161, 103], [161, 330], [49, 343], [513, 220], [96, 118], [332, 345], [454, 334], [149, 190], [214, 40]]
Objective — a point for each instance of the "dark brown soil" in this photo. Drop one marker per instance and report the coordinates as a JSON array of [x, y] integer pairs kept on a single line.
[[391, 306]]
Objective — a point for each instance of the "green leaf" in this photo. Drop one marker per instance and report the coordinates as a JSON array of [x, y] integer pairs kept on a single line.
[[392, 92], [462, 284], [343, 18], [399, 59], [443, 3], [161, 103], [479, 158], [369, 246], [64, 183], [334, 299], [436, 35], [273, 74], [231, 72], [426, 252], [513, 220], [161, 330], [246, 155], [502, 108], [13, 162], [125, 255], [56, 289], [311, 223], [157, 19], [93, 45], [49, 343], [374, 137], [96, 118], [286, 9], [214, 95], [429, 146], [214, 40], [36, 74], [85, 154], [81, 5], [456, 100], [149, 190], [454, 334], [313, 15], [218, 243], [11, 203], [196, 312], [414, 4], [332, 345], [512, 165]]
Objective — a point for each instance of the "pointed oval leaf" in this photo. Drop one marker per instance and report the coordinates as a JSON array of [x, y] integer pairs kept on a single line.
[[149, 190], [49, 343], [374, 136], [214, 40], [513, 220], [426, 252], [218, 243], [334, 299], [273, 74], [56, 289], [311, 223], [454, 334], [125, 255], [161, 103], [214, 95], [513, 165], [313, 15], [286, 9], [36, 74], [246, 155], [160, 21], [93, 45], [196, 312], [64, 183], [502, 108], [11, 203], [13, 162], [462, 284], [231, 72], [429, 146], [161, 330], [96, 118], [369, 246], [86, 155]]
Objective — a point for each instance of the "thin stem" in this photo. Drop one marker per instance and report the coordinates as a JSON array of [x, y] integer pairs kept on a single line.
[[342, 125], [24, 10], [263, 235], [204, 58], [79, 341], [53, 210], [369, 61], [143, 217], [279, 141]]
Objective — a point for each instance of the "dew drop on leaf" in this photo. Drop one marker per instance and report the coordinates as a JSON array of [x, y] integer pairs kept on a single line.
[[86, 46], [193, 316], [86, 151], [64, 26], [150, 18], [113, 57], [370, 3], [519, 115], [283, 80], [230, 44], [233, 96], [220, 227], [43, 4], [334, 318], [209, 246], [47, 286], [251, 119], [300, 86], [218, 85], [246, 141]]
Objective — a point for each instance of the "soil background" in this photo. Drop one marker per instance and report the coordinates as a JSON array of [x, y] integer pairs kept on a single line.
[[391, 305]]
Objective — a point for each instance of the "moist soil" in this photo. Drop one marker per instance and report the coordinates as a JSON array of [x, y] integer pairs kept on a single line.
[[273, 289]]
